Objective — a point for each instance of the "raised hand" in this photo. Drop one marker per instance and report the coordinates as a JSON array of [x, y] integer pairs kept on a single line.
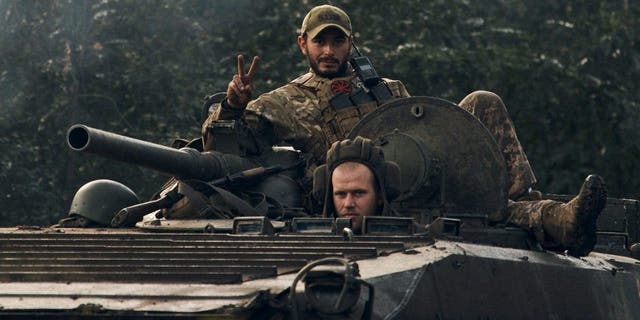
[[240, 87]]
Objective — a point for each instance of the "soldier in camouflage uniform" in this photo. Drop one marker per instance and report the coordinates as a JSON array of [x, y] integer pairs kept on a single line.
[[299, 114], [556, 225], [356, 181]]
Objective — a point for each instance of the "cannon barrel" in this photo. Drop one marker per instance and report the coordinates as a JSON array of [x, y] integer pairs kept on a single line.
[[185, 163]]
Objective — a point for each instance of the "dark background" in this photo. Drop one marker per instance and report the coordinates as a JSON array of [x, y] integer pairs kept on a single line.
[[569, 72]]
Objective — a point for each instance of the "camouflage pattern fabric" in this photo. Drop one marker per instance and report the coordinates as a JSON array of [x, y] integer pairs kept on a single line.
[[491, 111], [570, 226], [299, 113], [556, 225], [528, 216]]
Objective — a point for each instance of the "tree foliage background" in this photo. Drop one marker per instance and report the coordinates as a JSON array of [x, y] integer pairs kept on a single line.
[[569, 72]]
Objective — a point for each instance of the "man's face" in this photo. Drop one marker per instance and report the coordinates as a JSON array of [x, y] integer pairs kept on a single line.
[[327, 53], [354, 192]]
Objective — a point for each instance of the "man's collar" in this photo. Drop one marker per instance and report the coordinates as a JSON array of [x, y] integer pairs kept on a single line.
[[349, 75], [311, 79]]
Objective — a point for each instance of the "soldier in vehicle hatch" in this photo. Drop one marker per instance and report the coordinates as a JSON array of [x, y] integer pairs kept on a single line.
[[301, 114], [356, 181]]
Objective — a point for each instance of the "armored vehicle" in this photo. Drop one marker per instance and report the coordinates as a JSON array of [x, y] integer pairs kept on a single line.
[[459, 265]]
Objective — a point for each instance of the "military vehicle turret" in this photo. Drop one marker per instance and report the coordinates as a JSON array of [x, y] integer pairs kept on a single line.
[[461, 265]]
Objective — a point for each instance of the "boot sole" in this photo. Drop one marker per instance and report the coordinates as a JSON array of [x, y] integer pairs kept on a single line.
[[593, 198]]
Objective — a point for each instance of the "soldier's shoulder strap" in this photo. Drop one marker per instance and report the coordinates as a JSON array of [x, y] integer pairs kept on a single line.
[[301, 80], [397, 88]]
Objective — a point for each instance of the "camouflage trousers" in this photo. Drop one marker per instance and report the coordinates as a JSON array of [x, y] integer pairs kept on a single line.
[[491, 111], [528, 216]]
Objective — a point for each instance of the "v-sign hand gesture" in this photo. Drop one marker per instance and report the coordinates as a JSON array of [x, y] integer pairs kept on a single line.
[[240, 87]]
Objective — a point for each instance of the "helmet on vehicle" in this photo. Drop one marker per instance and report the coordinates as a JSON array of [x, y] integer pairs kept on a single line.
[[362, 150], [98, 201]]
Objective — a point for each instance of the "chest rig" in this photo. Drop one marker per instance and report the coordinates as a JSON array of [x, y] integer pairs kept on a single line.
[[343, 101]]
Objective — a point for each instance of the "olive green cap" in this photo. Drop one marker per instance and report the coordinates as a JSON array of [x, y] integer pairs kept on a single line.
[[324, 16]]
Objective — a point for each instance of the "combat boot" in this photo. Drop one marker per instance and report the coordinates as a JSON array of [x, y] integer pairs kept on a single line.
[[573, 224], [567, 226]]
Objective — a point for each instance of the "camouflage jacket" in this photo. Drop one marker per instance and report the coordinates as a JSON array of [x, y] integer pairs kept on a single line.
[[299, 113]]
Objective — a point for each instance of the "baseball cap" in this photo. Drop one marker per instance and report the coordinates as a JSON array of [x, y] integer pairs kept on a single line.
[[325, 16]]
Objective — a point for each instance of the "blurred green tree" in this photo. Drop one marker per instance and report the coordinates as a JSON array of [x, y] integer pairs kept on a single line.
[[569, 72]]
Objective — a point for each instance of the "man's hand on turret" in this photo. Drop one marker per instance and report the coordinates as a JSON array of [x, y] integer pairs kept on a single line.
[[240, 87]]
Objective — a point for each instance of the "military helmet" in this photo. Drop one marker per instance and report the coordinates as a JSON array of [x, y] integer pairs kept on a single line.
[[362, 150], [100, 200]]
